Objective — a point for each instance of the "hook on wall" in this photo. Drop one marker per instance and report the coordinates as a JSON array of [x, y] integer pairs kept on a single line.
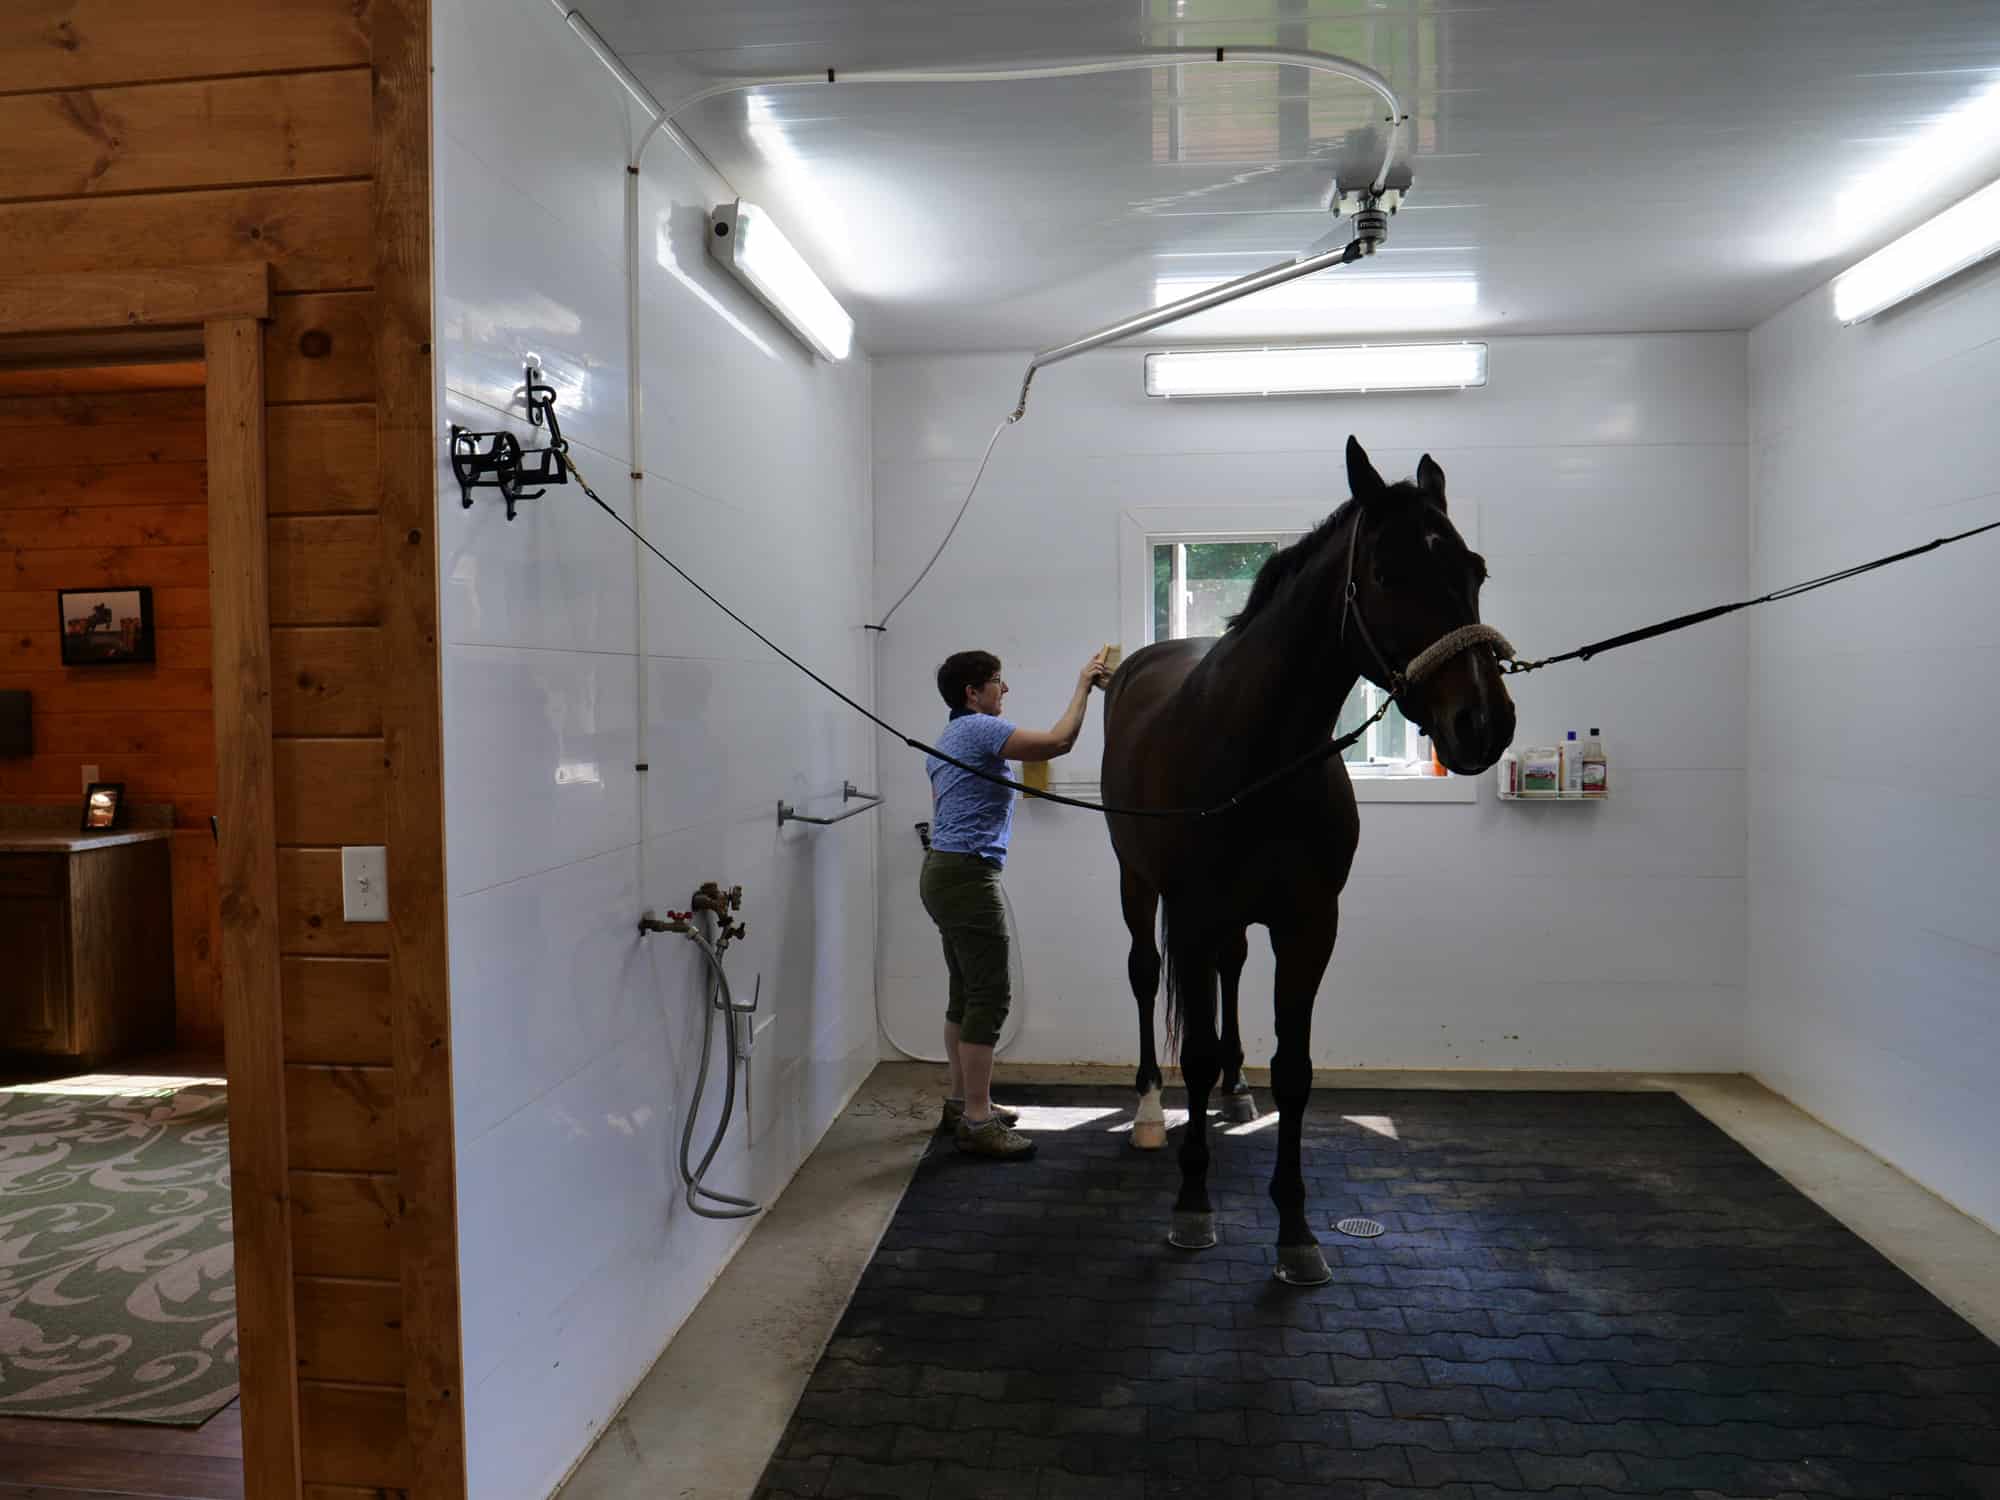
[[503, 464]]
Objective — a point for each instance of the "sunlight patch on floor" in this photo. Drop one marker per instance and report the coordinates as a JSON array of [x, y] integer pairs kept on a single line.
[[114, 1085], [1251, 1127], [1038, 1119]]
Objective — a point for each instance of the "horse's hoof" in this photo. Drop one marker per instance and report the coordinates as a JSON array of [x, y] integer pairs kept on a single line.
[[1193, 1230], [1239, 1105], [1302, 1265], [1149, 1135]]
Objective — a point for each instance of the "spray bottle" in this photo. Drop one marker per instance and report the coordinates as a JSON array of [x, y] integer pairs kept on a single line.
[[1596, 766]]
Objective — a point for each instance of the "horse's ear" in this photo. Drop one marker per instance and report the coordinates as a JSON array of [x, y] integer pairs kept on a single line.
[[1430, 479], [1363, 483]]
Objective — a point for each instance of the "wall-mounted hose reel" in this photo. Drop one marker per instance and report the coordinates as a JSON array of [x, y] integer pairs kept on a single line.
[[503, 464]]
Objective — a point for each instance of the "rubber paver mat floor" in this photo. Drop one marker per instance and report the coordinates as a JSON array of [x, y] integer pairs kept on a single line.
[[1578, 1294]]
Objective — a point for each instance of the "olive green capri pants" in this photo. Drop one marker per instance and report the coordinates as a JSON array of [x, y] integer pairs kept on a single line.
[[962, 894]]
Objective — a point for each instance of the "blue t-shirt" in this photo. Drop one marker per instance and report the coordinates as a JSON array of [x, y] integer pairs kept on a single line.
[[971, 816]]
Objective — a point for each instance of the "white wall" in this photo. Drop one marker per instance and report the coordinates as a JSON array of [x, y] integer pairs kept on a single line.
[[1605, 481], [576, 1043], [1875, 802]]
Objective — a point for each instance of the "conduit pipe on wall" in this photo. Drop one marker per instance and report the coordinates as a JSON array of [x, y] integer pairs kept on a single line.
[[662, 123]]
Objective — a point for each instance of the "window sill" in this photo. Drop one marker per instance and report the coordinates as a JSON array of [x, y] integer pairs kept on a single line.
[[1367, 788], [1381, 788]]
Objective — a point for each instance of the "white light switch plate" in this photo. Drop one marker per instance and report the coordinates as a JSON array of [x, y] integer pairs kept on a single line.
[[364, 883]]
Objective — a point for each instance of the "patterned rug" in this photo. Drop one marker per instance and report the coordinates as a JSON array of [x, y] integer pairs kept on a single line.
[[117, 1275]]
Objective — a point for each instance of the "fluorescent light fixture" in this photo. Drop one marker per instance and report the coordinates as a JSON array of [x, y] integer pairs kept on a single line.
[[1961, 236], [1307, 371], [744, 239]]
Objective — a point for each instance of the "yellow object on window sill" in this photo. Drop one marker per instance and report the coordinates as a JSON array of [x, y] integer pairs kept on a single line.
[[1035, 773]]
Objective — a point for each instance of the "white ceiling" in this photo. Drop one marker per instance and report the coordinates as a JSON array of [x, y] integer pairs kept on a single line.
[[1580, 165]]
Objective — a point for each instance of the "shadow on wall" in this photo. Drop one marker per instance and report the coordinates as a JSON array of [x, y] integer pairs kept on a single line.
[[681, 242]]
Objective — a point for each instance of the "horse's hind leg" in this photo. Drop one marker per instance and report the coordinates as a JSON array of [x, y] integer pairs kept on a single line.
[[1302, 950], [1239, 1105], [1142, 967], [1201, 1061]]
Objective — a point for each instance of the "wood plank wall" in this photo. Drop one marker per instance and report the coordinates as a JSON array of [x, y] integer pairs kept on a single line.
[[295, 132], [104, 489]]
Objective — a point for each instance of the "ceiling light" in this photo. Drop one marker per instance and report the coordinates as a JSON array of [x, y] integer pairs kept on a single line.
[[1353, 368], [744, 239], [1961, 236]]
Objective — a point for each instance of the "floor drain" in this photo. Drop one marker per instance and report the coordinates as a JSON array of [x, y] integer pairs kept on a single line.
[[1361, 1229]]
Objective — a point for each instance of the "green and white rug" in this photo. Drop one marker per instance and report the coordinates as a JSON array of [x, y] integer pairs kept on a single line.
[[117, 1272]]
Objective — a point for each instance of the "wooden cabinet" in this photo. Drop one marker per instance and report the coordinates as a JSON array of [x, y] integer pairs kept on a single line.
[[86, 948]]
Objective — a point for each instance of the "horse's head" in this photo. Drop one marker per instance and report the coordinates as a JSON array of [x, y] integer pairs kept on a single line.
[[1415, 581]]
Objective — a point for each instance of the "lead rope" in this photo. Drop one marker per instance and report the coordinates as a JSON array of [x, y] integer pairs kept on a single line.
[[1317, 753], [1681, 622], [1427, 661]]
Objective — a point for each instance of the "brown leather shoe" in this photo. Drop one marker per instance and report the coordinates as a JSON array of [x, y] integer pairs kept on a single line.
[[994, 1138], [954, 1111]]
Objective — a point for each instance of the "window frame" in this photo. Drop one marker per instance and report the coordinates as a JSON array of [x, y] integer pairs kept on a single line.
[[1142, 527]]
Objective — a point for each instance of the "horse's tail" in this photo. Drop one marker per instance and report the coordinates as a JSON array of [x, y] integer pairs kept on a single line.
[[1190, 971]]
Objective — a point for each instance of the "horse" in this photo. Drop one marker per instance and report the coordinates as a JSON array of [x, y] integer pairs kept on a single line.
[[1188, 723]]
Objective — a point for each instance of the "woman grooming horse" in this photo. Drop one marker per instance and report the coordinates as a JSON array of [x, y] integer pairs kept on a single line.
[[971, 821]]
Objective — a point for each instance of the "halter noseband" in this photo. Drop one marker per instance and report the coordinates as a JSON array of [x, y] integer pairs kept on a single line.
[[1426, 661]]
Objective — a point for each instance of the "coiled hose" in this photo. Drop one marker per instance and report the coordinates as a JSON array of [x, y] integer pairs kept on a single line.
[[719, 999]]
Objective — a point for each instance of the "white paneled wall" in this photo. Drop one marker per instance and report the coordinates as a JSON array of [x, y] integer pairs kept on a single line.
[[576, 1042], [1874, 804], [1604, 478]]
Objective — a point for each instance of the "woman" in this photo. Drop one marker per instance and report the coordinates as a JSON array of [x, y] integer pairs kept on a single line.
[[971, 819]]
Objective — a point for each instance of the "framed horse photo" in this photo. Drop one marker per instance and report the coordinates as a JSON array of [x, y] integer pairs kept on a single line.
[[106, 627]]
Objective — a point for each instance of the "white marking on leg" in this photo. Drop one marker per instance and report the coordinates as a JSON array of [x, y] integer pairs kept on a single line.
[[1149, 1122]]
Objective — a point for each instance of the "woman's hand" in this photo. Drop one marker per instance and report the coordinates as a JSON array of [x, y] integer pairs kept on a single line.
[[1094, 674]]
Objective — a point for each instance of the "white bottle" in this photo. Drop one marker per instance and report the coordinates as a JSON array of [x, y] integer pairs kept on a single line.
[[1596, 766], [1570, 779], [1508, 772]]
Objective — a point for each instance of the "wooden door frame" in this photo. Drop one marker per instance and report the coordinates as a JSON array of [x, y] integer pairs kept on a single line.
[[225, 307]]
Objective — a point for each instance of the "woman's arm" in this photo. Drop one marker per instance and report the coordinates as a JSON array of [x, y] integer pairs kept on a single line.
[[1060, 737]]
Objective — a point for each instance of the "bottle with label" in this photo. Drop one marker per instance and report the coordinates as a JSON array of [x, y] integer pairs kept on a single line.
[[1540, 770], [1596, 766], [1508, 772], [1571, 781]]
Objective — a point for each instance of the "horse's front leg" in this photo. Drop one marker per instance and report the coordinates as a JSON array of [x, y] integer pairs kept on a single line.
[[1302, 951], [1239, 1104]]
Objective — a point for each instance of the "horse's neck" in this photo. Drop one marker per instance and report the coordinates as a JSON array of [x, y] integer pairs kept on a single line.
[[1280, 680]]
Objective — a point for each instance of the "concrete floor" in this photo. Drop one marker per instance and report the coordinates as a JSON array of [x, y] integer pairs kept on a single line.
[[703, 1423]]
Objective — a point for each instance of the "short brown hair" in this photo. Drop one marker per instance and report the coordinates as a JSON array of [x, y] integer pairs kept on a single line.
[[962, 670]]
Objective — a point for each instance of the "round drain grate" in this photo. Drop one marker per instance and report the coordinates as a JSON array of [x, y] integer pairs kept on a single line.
[[1361, 1229]]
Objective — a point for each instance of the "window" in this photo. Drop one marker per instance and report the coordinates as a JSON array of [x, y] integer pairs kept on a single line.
[[1200, 581]]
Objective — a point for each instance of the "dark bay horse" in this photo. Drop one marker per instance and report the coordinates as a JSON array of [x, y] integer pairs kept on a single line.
[[1189, 722]]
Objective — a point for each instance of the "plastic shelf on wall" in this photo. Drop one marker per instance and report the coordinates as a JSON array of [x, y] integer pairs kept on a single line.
[[1543, 797]]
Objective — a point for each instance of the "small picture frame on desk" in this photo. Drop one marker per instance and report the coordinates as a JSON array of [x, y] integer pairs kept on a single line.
[[105, 627], [104, 806]]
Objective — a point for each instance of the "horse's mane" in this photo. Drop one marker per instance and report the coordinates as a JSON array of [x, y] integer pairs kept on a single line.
[[1281, 567]]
